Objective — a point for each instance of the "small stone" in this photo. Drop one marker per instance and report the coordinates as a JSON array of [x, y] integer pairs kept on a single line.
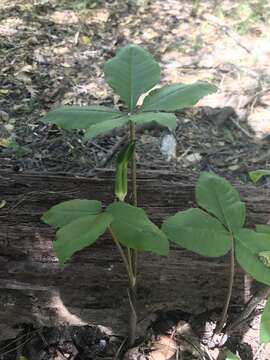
[[194, 157], [102, 344], [234, 167], [168, 147], [3, 116], [9, 127]]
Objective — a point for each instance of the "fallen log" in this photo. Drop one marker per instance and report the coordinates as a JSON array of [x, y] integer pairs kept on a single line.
[[91, 288]]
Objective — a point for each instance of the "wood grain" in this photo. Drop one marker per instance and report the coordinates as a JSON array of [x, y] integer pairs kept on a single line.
[[92, 286]]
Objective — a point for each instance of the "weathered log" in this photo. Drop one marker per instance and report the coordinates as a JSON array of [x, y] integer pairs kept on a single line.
[[91, 288]]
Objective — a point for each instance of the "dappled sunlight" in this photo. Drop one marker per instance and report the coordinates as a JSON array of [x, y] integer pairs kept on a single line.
[[53, 53], [64, 316], [11, 26], [65, 17]]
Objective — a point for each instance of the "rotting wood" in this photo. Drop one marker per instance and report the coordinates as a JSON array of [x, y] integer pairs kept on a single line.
[[92, 287]]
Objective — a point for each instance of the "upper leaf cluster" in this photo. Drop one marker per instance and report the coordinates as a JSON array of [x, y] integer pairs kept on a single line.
[[131, 73]]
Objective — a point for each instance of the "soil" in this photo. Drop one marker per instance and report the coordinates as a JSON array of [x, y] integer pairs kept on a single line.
[[53, 52]]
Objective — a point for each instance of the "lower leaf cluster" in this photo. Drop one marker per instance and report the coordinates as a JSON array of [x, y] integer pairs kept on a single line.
[[81, 222], [209, 230]]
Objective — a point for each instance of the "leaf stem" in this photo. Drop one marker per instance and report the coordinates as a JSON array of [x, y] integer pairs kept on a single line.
[[132, 131], [131, 252], [229, 292], [124, 258]]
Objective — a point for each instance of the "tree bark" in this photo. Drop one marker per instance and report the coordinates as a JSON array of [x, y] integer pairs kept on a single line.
[[92, 286]]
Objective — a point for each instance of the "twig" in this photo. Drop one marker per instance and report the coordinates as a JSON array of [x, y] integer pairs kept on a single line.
[[195, 346], [19, 345], [263, 293], [98, 146], [120, 349], [207, 352], [253, 100], [256, 355], [235, 37], [184, 153], [109, 155], [244, 131]]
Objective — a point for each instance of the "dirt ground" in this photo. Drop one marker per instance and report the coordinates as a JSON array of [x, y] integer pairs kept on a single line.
[[52, 52]]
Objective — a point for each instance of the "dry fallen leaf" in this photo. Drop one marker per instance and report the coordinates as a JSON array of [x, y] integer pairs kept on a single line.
[[64, 17], [165, 348]]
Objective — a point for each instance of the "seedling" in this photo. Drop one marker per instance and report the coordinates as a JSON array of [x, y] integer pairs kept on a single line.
[[79, 223], [231, 356], [257, 175], [216, 227]]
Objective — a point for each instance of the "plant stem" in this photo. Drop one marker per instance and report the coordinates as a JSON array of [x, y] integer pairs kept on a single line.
[[131, 291], [132, 296], [229, 292], [132, 132], [131, 252], [125, 260]]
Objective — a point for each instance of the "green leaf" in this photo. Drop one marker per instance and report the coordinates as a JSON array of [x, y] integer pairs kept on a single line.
[[264, 257], [256, 175], [197, 231], [265, 324], [80, 117], [132, 72], [248, 247], [263, 228], [177, 96], [133, 229], [105, 126], [164, 119], [231, 356], [78, 234], [3, 203], [68, 211], [22, 357], [217, 196], [121, 180]]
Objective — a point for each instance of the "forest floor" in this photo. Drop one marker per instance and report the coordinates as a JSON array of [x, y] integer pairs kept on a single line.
[[52, 52]]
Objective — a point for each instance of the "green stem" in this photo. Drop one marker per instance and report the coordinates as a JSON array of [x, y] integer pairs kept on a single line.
[[131, 290], [124, 258], [132, 296], [229, 292], [132, 132], [131, 252]]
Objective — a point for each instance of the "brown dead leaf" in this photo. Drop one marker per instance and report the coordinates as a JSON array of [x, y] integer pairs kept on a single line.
[[61, 50], [259, 121], [64, 17], [26, 68], [99, 16], [24, 78], [265, 99], [4, 116], [165, 348]]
